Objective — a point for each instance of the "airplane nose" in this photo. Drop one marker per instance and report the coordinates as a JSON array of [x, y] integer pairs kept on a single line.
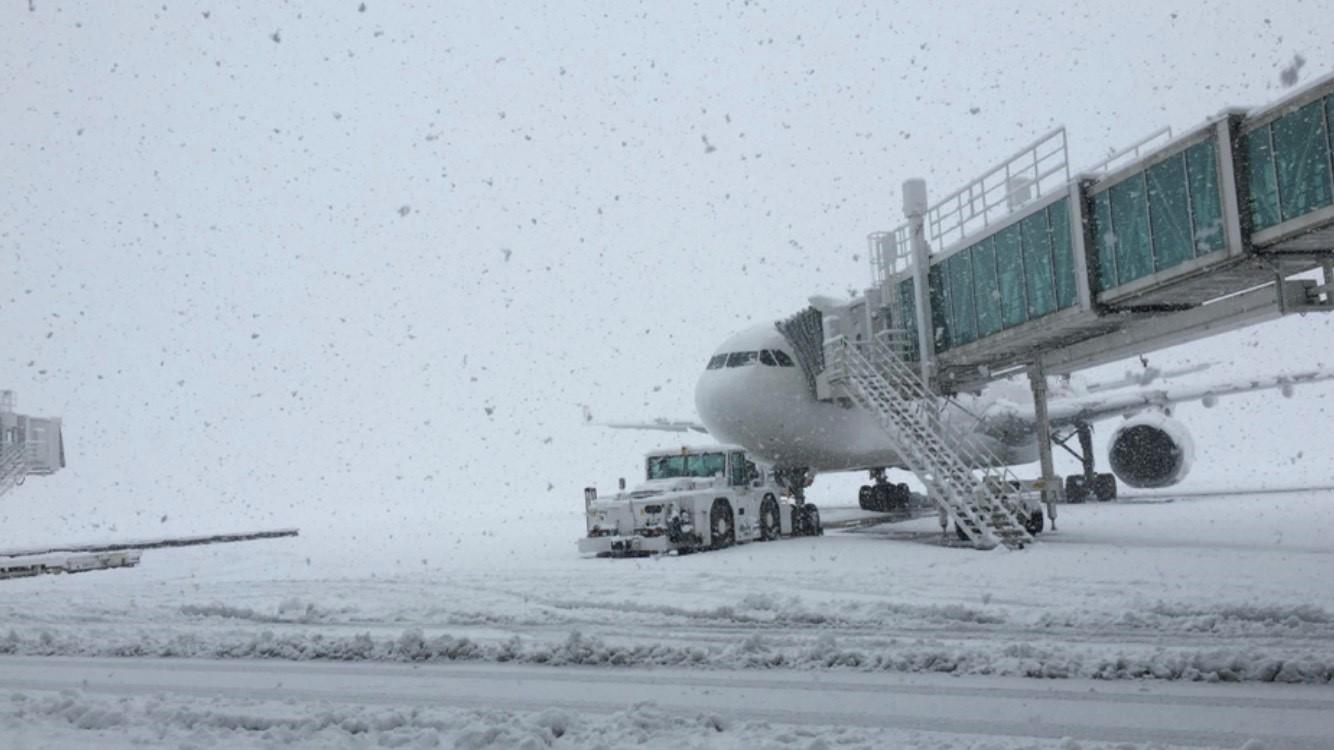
[[716, 403]]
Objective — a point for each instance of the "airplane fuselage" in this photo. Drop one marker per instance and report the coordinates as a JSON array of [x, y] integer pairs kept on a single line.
[[753, 395]]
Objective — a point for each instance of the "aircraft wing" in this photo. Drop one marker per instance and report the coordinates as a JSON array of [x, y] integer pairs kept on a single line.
[[1098, 405], [661, 423]]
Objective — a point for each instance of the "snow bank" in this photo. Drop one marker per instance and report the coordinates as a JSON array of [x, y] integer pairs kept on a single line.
[[71, 718], [1041, 660]]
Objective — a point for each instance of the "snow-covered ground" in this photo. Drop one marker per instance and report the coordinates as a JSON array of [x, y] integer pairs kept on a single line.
[[1163, 590]]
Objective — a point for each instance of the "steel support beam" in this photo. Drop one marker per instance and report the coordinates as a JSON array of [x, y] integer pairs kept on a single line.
[[1259, 305], [1037, 378]]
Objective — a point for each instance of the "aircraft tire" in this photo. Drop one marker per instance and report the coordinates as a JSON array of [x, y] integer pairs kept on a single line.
[[866, 497], [1035, 523], [1104, 487], [1076, 489]]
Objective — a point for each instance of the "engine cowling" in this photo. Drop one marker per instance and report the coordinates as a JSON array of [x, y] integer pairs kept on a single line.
[[1151, 450]]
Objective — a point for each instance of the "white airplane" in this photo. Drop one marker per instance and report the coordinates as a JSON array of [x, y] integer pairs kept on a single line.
[[753, 394]]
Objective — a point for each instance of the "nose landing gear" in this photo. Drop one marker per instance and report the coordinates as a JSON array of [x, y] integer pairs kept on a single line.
[[805, 516]]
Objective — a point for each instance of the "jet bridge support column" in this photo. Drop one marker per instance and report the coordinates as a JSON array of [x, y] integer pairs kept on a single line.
[[1037, 378], [914, 210]]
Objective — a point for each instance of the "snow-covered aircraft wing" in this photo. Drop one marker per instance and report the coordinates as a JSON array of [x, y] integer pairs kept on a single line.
[[1094, 406], [662, 424]]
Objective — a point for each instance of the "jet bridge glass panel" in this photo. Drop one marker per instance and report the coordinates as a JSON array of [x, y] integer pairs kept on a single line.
[[1301, 159], [1039, 283], [1020, 273], [963, 322], [1104, 240], [1010, 276], [1160, 217], [1062, 253], [986, 289], [1169, 214], [1130, 225], [1206, 207], [1263, 185], [1290, 161]]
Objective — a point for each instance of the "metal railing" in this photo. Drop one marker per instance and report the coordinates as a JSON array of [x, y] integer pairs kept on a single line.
[[985, 507], [1131, 153], [1032, 172], [890, 252]]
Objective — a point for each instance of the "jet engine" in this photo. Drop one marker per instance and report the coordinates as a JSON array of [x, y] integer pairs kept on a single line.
[[1151, 449]]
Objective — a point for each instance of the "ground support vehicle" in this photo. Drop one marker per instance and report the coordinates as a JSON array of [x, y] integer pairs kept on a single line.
[[695, 499]]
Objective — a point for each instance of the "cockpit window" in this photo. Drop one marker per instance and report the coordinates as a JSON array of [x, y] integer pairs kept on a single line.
[[783, 359], [717, 361], [767, 358], [739, 359]]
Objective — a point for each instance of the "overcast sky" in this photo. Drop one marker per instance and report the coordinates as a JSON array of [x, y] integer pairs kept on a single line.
[[268, 262]]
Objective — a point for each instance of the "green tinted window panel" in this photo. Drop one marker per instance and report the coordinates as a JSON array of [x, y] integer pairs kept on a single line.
[[1039, 283], [941, 315], [1329, 127], [908, 315], [1263, 183], [986, 289], [1130, 222], [1169, 213], [1010, 276], [1206, 206], [1104, 241], [960, 269], [1301, 158], [1062, 253]]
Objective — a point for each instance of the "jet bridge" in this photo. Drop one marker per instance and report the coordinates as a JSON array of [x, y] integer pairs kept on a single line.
[[1030, 269], [1172, 240]]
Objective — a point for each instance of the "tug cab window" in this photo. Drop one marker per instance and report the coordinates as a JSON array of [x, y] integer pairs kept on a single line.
[[702, 465], [739, 478]]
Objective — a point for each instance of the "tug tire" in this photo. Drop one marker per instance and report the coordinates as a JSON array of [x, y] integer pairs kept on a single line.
[[770, 526], [720, 515]]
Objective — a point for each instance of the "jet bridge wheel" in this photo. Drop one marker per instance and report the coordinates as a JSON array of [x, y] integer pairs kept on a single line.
[[770, 528], [722, 530]]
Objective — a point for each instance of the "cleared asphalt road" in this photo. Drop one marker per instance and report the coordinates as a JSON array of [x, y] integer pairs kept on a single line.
[[1281, 716]]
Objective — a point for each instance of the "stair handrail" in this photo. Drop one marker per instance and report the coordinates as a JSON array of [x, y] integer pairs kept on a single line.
[[13, 466], [927, 443]]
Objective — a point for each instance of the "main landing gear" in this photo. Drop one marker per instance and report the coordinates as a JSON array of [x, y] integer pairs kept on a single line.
[[805, 516], [883, 496], [1080, 487]]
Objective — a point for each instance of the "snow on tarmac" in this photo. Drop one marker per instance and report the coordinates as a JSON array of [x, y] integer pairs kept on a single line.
[[1196, 589]]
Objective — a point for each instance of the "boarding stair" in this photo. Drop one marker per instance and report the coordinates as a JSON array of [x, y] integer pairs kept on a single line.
[[13, 466], [874, 375]]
